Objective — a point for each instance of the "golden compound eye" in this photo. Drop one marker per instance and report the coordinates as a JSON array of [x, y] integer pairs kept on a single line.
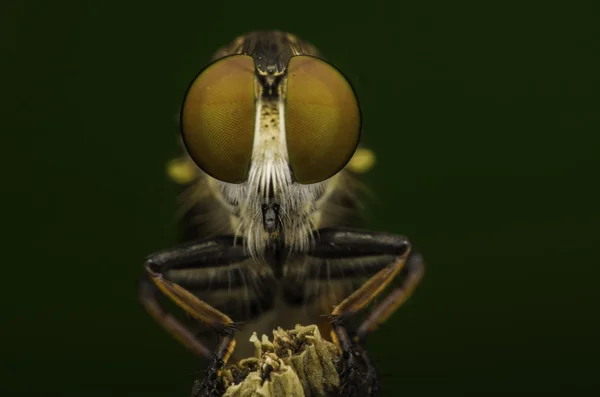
[[322, 119], [217, 118]]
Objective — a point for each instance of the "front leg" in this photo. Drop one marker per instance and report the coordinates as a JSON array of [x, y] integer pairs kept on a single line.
[[352, 253], [211, 385], [170, 272], [358, 376]]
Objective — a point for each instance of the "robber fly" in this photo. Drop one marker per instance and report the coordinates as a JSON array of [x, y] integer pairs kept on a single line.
[[270, 135]]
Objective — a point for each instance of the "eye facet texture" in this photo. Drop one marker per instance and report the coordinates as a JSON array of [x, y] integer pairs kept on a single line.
[[218, 116], [322, 119]]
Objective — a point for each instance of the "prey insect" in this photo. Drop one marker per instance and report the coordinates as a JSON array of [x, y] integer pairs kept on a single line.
[[270, 135]]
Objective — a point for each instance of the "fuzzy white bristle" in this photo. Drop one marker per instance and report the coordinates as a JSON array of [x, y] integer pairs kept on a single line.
[[270, 177]]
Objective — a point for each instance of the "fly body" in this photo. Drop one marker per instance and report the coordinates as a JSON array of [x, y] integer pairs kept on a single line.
[[270, 136]]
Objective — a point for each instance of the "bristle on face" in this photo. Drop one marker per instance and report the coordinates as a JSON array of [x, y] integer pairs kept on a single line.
[[270, 181]]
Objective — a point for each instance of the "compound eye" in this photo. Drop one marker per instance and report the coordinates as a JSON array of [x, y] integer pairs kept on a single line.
[[217, 118], [322, 121]]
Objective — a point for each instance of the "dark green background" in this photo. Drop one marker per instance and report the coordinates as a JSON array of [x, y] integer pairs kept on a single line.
[[484, 120]]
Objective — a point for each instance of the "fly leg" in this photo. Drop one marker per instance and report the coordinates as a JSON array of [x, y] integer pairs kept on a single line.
[[147, 293], [358, 376], [353, 354], [386, 257], [412, 274], [166, 271]]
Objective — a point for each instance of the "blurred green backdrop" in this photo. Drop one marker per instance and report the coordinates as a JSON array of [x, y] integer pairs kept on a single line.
[[484, 120]]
